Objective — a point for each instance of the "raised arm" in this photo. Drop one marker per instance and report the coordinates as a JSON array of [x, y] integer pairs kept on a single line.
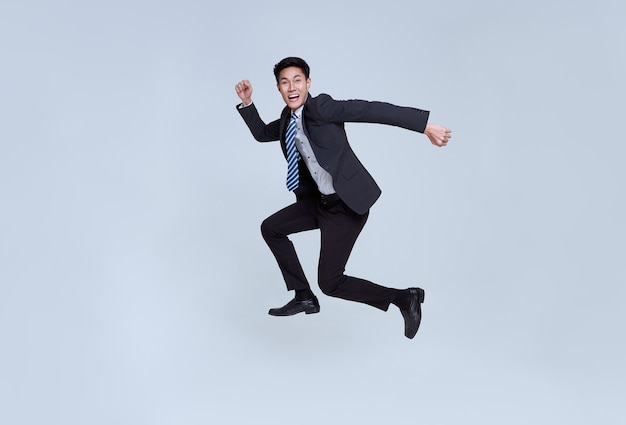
[[260, 131]]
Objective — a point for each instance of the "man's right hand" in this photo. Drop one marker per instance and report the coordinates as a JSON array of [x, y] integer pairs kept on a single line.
[[244, 91]]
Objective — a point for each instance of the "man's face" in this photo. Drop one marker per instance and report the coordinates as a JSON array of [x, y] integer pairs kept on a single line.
[[293, 86]]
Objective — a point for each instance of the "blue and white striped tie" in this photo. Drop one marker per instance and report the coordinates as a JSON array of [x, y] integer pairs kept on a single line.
[[293, 156]]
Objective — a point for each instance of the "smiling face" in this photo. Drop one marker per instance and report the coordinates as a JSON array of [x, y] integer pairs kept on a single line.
[[293, 86]]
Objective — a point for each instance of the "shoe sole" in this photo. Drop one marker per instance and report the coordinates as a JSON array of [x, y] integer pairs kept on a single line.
[[312, 311]]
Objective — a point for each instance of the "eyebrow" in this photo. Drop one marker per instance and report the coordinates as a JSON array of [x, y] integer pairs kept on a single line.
[[296, 76]]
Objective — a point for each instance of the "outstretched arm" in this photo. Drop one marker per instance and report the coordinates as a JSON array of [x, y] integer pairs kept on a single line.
[[383, 113], [437, 134]]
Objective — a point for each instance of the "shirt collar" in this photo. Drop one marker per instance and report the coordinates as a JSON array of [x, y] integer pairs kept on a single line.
[[299, 111]]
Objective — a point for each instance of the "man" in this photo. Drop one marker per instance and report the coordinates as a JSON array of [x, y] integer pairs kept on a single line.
[[334, 192]]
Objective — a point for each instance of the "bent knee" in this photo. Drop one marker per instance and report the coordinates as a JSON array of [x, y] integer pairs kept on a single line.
[[330, 284], [268, 230], [264, 228]]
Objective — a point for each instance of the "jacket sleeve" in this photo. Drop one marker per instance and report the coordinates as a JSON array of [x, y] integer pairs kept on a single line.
[[260, 131], [332, 110]]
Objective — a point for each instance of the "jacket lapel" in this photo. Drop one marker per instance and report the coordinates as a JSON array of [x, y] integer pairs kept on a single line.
[[284, 120]]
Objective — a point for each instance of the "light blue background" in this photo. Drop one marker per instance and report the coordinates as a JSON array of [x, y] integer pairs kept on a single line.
[[134, 283]]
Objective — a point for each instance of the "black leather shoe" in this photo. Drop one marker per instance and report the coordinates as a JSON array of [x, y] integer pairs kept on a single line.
[[413, 315], [294, 307]]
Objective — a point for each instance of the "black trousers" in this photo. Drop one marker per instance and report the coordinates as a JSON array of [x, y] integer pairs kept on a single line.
[[339, 227]]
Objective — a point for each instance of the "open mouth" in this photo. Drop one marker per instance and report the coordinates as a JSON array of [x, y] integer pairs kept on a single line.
[[294, 97]]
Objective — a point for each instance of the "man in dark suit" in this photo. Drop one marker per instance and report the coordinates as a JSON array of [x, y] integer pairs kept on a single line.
[[334, 192]]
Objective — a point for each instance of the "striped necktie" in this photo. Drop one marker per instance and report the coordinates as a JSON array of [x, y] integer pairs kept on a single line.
[[293, 156]]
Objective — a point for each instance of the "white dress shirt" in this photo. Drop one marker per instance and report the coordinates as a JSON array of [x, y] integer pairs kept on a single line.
[[322, 178]]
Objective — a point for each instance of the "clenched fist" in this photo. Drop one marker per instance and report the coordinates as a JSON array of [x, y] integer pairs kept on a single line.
[[437, 134], [244, 91]]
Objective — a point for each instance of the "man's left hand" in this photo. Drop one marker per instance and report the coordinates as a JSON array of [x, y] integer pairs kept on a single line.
[[438, 135]]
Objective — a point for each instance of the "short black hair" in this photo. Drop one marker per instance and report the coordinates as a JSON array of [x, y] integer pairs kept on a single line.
[[289, 62]]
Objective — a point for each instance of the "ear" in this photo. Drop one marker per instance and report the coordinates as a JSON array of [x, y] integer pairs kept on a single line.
[[308, 83]]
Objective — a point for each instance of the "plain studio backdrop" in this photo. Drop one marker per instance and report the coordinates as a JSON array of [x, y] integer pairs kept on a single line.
[[134, 282]]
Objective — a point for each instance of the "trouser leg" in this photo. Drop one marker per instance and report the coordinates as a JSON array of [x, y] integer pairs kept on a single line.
[[275, 229], [340, 227]]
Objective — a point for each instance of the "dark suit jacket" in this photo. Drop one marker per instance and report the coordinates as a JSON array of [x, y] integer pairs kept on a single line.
[[323, 123]]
